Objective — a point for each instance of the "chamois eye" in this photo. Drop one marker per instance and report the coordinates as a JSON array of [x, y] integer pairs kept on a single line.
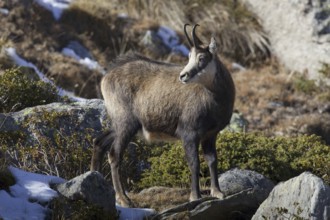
[[201, 59]]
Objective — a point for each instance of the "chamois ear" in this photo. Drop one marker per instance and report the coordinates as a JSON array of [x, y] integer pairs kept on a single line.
[[213, 46]]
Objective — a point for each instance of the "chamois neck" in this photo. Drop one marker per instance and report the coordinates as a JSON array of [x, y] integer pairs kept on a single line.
[[217, 78], [222, 82]]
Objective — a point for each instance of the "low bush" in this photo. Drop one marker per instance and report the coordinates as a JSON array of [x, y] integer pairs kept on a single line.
[[325, 70], [144, 165], [304, 85], [278, 158], [60, 150], [19, 89], [60, 155]]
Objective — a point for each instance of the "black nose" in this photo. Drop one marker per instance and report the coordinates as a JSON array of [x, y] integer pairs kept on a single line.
[[183, 77]]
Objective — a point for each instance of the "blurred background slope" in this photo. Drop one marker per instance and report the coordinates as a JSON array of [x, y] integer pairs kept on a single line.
[[271, 97]]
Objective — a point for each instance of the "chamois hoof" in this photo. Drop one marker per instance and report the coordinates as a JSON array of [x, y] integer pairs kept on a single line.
[[193, 197], [217, 194], [124, 202]]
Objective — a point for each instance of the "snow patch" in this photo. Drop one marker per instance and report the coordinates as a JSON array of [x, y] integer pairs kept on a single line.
[[27, 196], [55, 6], [238, 67], [122, 15], [172, 40], [134, 213], [4, 11], [82, 55], [21, 62], [90, 64], [35, 186]]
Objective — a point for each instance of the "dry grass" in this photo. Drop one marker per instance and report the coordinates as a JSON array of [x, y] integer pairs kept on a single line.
[[97, 26], [270, 100], [39, 39], [160, 198], [239, 35]]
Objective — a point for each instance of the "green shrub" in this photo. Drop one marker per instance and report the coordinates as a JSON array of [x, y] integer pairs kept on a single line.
[[167, 169], [66, 157], [325, 70], [60, 151], [19, 89], [278, 158], [68, 154], [304, 85]]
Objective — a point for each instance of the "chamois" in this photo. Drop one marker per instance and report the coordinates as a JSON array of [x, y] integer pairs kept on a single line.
[[163, 101]]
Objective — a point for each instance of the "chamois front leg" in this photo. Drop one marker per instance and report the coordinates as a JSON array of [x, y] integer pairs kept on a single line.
[[101, 145], [191, 152], [210, 155]]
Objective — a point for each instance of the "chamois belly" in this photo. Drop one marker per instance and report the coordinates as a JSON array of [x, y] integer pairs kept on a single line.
[[155, 136]]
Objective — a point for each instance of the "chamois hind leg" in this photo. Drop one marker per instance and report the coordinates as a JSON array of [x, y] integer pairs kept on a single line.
[[121, 141], [210, 155], [191, 151], [101, 145]]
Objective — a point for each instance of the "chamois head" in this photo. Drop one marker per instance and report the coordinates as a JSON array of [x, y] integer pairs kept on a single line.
[[201, 66]]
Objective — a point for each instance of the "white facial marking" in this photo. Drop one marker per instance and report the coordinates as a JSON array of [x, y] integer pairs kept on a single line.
[[191, 62]]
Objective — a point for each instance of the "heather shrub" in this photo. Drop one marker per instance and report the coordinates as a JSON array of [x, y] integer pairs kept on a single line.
[[278, 158], [145, 165], [60, 150], [20, 88], [63, 156]]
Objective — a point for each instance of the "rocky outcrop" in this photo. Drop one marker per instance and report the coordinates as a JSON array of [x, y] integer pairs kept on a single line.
[[302, 197], [235, 181], [92, 188], [237, 123], [67, 118], [244, 191], [299, 31]]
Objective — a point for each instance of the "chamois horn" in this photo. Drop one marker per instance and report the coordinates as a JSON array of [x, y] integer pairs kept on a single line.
[[185, 32], [194, 37]]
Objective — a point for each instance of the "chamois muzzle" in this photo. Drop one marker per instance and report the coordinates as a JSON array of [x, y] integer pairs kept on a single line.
[[184, 77]]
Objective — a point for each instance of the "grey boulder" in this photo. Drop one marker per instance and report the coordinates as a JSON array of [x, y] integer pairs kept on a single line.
[[237, 180], [92, 188], [299, 32], [302, 197], [68, 118], [244, 190]]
